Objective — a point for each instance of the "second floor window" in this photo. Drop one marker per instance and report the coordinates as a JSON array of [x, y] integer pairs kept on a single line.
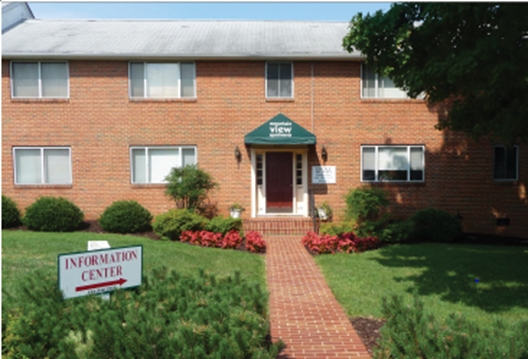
[[375, 86], [39, 79], [162, 80], [279, 80]]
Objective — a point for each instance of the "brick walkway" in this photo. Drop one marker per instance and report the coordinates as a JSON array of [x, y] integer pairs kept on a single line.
[[303, 311]]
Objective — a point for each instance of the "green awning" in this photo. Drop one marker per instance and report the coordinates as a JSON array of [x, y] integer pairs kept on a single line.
[[280, 130]]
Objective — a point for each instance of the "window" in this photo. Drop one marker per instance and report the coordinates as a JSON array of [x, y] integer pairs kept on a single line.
[[153, 164], [392, 163], [279, 80], [505, 163], [39, 79], [44, 165], [162, 80], [374, 86]]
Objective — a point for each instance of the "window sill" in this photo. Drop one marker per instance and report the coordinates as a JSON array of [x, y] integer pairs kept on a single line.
[[148, 185], [142, 100], [384, 183], [279, 99], [42, 100], [43, 186], [505, 182], [392, 100]]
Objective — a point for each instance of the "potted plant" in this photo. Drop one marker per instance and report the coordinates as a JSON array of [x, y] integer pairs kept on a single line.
[[324, 211], [235, 210]]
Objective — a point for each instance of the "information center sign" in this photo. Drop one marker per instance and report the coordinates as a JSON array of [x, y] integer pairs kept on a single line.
[[100, 271]]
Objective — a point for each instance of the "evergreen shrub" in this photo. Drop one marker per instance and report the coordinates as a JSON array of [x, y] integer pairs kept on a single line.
[[171, 224], [434, 225], [223, 225], [411, 332], [10, 213], [366, 207], [396, 232], [168, 316], [125, 217], [53, 214], [336, 229]]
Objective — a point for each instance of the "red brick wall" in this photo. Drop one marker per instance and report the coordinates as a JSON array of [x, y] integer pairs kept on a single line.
[[100, 123]]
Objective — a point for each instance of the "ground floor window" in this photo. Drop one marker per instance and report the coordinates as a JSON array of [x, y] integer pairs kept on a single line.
[[392, 163], [42, 165], [505, 166], [153, 164]]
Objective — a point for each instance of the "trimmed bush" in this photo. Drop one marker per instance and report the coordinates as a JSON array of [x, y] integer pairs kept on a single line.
[[189, 186], [10, 213], [168, 316], [336, 229], [223, 225], [53, 214], [434, 225], [171, 224], [411, 332], [397, 232], [365, 204], [125, 217]]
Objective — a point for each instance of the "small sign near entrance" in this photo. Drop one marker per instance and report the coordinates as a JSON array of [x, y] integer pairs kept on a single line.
[[100, 271], [323, 174]]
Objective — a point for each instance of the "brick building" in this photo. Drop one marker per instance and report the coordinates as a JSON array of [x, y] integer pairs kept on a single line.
[[99, 111]]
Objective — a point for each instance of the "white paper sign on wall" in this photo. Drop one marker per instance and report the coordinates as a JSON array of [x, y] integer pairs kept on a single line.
[[323, 174]]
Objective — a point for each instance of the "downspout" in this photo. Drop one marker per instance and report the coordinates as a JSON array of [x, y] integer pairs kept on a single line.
[[312, 99]]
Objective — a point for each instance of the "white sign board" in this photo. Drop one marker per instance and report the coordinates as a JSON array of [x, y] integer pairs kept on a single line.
[[100, 271], [323, 174]]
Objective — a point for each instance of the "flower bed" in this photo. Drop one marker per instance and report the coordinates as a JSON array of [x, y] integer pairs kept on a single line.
[[346, 243], [232, 240]]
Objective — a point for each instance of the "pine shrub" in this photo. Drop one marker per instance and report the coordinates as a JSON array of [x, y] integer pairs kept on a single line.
[[168, 316], [435, 225], [411, 332], [10, 213], [53, 214], [223, 225], [171, 224], [125, 217]]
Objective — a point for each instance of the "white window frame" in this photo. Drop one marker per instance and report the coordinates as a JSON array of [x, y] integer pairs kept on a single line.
[[376, 158], [377, 87], [145, 92], [39, 63], [292, 80], [42, 165], [516, 165], [147, 148]]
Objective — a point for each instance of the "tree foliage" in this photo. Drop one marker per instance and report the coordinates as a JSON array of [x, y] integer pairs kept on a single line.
[[471, 56]]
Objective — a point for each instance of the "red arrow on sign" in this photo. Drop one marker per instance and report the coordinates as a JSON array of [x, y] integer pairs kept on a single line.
[[120, 281]]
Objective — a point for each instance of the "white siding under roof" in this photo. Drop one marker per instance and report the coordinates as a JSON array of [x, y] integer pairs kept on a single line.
[[128, 39]]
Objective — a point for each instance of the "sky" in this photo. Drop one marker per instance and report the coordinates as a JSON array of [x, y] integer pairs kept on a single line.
[[201, 10]]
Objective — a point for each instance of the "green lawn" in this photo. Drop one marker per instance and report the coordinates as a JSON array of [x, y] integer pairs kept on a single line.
[[444, 275], [26, 252]]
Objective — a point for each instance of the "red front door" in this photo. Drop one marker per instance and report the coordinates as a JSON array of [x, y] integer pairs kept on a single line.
[[279, 182]]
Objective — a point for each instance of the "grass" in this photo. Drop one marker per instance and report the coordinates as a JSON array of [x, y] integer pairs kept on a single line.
[[26, 252], [485, 283]]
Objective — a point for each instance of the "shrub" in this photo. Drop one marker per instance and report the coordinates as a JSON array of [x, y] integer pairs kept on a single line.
[[53, 214], [232, 240], [396, 232], [223, 225], [254, 242], [125, 217], [435, 225], [410, 332], [336, 229], [171, 224], [10, 213], [168, 316], [365, 204], [188, 186]]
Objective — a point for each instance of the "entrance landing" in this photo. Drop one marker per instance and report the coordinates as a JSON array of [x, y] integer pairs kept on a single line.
[[303, 311]]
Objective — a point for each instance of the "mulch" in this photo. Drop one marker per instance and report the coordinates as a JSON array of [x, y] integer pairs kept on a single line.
[[368, 330]]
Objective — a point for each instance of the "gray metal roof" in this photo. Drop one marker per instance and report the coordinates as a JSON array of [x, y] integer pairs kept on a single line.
[[134, 39]]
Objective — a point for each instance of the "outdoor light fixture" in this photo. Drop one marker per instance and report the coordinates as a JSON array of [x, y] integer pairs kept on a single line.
[[238, 155], [324, 154]]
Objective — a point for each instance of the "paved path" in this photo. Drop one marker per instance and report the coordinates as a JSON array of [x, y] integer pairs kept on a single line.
[[303, 311]]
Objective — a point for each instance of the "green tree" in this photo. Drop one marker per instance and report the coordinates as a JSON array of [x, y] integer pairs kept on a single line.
[[470, 56], [189, 187]]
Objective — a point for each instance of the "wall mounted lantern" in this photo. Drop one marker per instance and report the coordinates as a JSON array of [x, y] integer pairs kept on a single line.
[[238, 155], [324, 154]]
